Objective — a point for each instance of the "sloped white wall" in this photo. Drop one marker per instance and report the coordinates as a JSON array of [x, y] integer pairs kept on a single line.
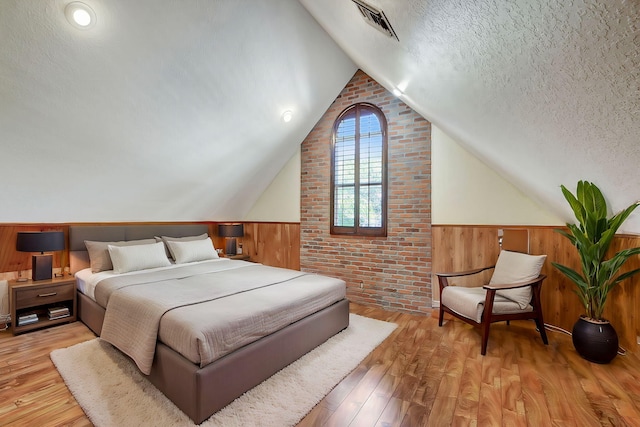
[[280, 202], [466, 191]]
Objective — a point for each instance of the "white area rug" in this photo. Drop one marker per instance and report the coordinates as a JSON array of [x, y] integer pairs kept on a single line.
[[112, 392]]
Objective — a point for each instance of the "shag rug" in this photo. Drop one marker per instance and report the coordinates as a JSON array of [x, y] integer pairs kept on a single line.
[[112, 392]]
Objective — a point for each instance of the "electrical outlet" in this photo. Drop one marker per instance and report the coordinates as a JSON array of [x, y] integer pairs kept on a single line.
[[362, 287]]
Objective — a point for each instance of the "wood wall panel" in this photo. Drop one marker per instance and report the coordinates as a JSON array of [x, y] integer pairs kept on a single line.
[[275, 244], [624, 301], [460, 248], [457, 248]]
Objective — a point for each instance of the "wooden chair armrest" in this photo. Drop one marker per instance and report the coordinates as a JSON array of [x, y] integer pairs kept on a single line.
[[501, 286], [465, 273]]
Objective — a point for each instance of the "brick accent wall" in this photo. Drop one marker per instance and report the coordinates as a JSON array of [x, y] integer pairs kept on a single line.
[[395, 271]]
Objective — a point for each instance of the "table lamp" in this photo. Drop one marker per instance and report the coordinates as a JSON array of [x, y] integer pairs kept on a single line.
[[44, 241], [230, 232]]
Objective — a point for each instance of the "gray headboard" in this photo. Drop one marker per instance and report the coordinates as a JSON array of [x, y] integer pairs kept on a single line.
[[79, 258]]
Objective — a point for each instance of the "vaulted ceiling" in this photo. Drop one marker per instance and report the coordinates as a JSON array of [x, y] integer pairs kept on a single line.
[[173, 110]]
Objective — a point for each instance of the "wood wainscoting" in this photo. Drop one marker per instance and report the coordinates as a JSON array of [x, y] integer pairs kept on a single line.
[[458, 248], [270, 243], [274, 244]]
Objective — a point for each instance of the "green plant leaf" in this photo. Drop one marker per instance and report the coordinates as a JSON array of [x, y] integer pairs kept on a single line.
[[594, 202], [570, 273], [582, 286], [576, 206], [626, 275], [616, 221], [567, 235]]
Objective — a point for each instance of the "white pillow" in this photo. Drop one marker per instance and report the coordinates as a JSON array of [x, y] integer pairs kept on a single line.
[[99, 252], [514, 267], [166, 239], [191, 251], [139, 257]]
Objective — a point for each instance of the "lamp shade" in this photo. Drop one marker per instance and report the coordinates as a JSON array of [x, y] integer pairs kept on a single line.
[[45, 241], [231, 230]]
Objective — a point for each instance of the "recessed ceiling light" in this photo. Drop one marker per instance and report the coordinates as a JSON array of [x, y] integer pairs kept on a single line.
[[80, 15], [287, 116]]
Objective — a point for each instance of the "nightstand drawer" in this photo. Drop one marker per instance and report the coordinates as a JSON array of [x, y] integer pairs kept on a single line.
[[44, 295]]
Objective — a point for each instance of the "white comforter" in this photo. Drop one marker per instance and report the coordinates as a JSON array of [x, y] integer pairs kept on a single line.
[[207, 310]]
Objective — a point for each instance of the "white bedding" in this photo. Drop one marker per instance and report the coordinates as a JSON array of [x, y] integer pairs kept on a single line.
[[86, 281], [206, 331]]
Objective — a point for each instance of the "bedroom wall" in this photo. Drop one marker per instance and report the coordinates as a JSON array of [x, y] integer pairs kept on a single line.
[[467, 191], [281, 200], [395, 271]]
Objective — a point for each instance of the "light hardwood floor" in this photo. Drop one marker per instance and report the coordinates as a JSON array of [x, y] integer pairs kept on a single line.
[[421, 375]]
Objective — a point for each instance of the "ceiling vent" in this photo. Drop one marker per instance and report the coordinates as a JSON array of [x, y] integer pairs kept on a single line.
[[376, 18]]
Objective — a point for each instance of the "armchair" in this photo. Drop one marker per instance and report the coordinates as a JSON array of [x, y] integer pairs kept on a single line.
[[513, 293]]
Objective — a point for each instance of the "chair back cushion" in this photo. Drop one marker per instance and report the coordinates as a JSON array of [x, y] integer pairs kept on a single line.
[[514, 267]]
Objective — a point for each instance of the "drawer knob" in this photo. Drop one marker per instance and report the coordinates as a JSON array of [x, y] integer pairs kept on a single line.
[[50, 294]]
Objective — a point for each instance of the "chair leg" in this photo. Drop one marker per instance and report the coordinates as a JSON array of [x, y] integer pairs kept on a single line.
[[485, 337], [486, 318], [508, 322], [538, 310], [441, 315], [543, 333]]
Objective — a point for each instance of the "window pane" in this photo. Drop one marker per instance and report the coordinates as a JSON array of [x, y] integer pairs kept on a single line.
[[345, 170], [345, 152], [370, 149], [371, 206], [344, 210], [371, 161], [369, 123]]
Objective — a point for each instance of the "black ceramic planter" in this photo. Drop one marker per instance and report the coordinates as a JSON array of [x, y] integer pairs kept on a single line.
[[596, 341]]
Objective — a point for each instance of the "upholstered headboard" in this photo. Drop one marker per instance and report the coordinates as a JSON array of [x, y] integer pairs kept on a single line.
[[79, 257]]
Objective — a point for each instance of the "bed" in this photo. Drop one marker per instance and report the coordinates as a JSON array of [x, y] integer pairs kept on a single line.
[[201, 377]]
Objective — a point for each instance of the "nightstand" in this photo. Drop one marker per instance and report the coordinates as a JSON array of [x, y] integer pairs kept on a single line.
[[242, 257], [42, 303]]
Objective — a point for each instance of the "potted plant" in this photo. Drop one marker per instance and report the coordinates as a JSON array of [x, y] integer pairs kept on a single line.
[[594, 337]]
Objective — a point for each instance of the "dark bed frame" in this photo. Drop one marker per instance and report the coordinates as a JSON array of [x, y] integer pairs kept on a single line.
[[200, 392]]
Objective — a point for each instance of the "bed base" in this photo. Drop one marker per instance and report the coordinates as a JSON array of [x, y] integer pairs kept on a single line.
[[200, 392]]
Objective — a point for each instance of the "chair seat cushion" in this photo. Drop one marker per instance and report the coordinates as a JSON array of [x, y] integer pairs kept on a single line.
[[514, 267], [469, 302]]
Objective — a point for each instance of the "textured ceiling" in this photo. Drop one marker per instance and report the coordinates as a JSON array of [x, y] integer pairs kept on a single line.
[[546, 92], [164, 110], [172, 110]]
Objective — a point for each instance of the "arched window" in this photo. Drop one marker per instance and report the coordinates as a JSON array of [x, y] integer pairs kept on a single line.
[[359, 172]]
